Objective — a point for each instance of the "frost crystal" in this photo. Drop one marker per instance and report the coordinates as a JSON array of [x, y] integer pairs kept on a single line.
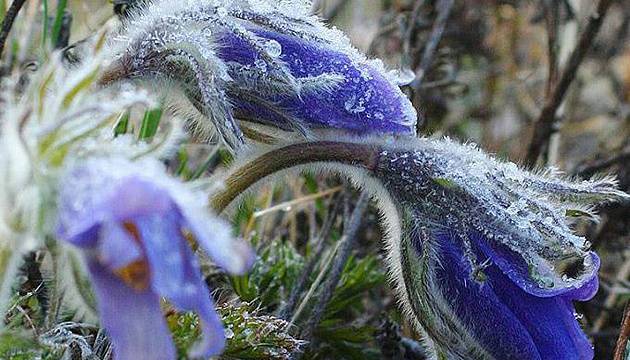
[[264, 62], [486, 250], [458, 188]]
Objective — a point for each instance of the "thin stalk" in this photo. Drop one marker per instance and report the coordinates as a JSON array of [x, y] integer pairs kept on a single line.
[[7, 22], [545, 124], [624, 335], [360, 155], [286, 311], [348, 242], [56, 30], [45, 23]]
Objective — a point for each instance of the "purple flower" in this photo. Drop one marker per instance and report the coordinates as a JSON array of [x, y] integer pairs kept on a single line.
[[506, 313], [362, 100], [261, 62], [134, 226], [483, 254]]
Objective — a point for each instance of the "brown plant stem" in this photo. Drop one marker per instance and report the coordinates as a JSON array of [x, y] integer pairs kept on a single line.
[[624, 335], [444, 9], [552, 16], [546, 121], [360, 155], [7, 23]]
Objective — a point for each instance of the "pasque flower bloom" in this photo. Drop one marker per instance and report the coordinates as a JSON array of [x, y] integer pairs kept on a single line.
[[264, 62], [480, 252], [487, 261], [133, 225]]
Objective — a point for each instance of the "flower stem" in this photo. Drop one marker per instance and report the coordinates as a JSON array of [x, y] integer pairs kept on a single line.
[[286, 157]]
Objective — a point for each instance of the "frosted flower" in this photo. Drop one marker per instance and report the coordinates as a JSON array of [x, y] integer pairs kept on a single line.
[[486, 261], [133, 225], [44, 117], [480, 252], [263, 62]]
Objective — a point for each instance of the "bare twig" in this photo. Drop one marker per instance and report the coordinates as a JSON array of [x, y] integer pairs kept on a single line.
[[545, 124], [622, 274], [590, 168], [7, 24], [410, 32], [552, 16], [349, 240], [624, 335], [444, 8]]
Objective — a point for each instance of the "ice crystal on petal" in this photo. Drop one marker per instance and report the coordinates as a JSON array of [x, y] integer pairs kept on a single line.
[[261, 61]]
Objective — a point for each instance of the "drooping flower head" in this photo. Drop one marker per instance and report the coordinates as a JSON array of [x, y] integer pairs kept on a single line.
[[134, 226], [487, 261], [480, 252], [263, 62]]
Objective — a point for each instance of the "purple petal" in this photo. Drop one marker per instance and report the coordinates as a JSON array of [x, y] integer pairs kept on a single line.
[[116, 248], [103, 190], [162, 239], [215, 238], [176, 276], [133, 320], [363, 102], [136, 197], [515, 267], [509, 322]]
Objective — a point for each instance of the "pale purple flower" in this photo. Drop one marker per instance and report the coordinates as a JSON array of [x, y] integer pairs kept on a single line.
[[134, 224]]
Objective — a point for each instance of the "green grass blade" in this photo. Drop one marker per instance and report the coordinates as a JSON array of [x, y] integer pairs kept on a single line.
[[61, 7], [3, 9], [45, 23], [150, 123], [122, 126]]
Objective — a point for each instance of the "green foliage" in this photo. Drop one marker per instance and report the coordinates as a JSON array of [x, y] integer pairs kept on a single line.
[[249, 335], [15, 346], [338, 335], [150, 123], [122, 126], [358, 277], [56, 29], [270, 280]]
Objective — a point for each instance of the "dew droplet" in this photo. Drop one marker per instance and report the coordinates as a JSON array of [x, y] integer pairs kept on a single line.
[[273, 48], [403, 77]]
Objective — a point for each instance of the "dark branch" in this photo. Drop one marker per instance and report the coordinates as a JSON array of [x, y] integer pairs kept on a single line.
[[552, 17], [7, 24], [545, 124], [444, 8], [624, 335], [410, 32]]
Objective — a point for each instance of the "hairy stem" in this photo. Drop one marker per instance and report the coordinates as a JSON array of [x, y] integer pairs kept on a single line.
[[273, 161]]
